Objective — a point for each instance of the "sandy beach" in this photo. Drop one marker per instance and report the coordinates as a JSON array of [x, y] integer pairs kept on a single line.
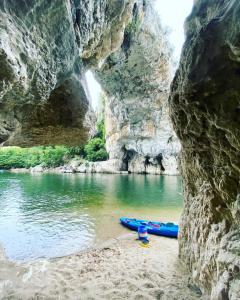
[[118, 269]]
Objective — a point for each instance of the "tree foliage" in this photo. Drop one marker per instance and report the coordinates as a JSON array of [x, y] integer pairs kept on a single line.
[[95, 149], [54, 156], [16, 157]]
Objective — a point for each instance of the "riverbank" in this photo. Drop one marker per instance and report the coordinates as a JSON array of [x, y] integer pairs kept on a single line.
[[118, 269], [106, 167], [75, 166]]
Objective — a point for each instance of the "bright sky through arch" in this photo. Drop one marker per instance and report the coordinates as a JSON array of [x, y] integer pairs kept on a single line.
[[173, 14]]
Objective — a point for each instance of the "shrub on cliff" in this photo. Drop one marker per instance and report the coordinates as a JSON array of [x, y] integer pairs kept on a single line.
[[95, 149]]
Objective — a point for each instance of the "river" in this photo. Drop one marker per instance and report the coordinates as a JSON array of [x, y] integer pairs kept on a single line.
[[51, 215]]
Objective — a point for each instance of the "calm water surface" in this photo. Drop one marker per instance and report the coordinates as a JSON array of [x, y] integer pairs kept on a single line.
[[49, 215]]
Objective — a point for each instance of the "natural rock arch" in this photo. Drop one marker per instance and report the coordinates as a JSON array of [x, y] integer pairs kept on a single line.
[[51, 47], [53, 43]]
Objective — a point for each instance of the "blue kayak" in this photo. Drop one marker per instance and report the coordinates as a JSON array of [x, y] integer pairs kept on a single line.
[[158, 228]]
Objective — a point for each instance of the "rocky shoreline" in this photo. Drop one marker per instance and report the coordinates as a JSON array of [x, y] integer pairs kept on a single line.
[[106, 167]]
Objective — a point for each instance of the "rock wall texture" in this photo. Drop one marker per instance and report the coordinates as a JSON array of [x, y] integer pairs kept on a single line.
[[136, 79], [45, 47], [43, 92], [205, 109]]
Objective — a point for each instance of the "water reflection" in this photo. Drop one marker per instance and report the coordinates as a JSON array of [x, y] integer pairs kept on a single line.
[[52, 215], [150, 191]]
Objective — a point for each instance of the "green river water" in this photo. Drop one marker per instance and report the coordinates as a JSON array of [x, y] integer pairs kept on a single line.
[[50, 215]]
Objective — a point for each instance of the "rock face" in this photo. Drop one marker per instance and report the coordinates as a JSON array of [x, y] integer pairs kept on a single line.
[[205, 109], [76, 166], [43, 93], [136, 79], [44, 50]]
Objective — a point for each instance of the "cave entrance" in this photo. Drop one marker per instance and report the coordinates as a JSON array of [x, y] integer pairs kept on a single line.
[[128, 155], [159, 159], [152, 161]]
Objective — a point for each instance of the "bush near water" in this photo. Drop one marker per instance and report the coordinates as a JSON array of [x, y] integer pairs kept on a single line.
[[54, 156]]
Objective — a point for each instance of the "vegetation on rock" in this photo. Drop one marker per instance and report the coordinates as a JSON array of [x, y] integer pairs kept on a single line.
[[54, 156], [95, 149]]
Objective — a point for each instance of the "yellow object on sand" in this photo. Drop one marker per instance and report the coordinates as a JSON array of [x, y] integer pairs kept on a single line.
[[145, 245]]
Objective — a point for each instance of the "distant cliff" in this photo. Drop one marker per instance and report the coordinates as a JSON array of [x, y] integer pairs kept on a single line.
[[137, 79]]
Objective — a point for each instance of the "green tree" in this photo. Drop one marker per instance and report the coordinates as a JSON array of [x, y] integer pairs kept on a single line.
[[95, 149]]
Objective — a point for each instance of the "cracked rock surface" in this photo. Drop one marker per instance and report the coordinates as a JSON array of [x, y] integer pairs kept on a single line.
[[45, 47], [204, 107], [136, 79], [43, 91]]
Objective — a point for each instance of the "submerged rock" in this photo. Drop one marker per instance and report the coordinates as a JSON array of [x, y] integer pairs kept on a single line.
[[204, 107]]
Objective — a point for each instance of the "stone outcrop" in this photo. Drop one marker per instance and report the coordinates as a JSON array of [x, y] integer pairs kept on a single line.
[[43, 92], [78, 166], [136, 79], [205, 110], [45, 47]]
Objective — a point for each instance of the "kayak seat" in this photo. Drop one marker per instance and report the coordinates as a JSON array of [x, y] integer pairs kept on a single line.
[[155, 225]]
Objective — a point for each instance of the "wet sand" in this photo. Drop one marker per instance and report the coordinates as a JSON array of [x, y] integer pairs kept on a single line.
[[118, 269]]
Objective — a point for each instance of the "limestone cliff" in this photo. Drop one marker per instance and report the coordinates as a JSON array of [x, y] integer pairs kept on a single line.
[[45, 47], [205, 111], [136, 79], [43, 94]]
